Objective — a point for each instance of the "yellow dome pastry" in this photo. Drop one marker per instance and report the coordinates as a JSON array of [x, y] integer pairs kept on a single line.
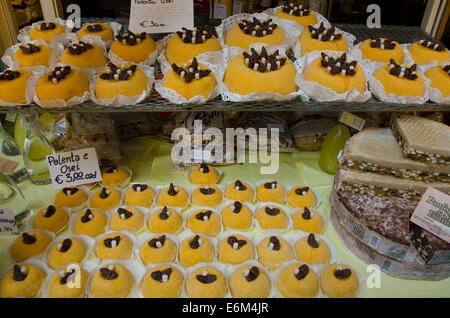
[[174, 196], [71, 197], [114, 246], [207, 195], [439, 77], [204, 174], [190, 80], [308, 220], [249, 282], [134, 48], [312, 250], [84, 55], [298, 281], [339, 281], [158, 250], [273, 251], [236, 249], [106, 199], [90, 222], [165, 220], [206, 282], [139, 195], [297, 13], [195, 249], [205, 222], [22, 280], [322, 38], [382, 50], [68, 283], [260, 72], [13, 84], [127, 219], [426, 51], [114, 176], [299, 197], [112, 281], [122, 79], [62, 83], [271, 191], [64, 252], [237, 216], [102, 30], [272, 217], [46, 31], [186, 44], [51, 218], [164, 281], [29, 244], [29, 55], [240, 191], [400, 80], [247, 32]]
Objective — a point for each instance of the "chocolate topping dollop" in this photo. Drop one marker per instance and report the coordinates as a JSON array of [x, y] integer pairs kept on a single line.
[[384, 44], [69, 191], [158, 275], [59, 73], [204, 168], [302, 272], [206, 279], [446, 68], [342, 273], [29, 48], [109, 241], [207, 191], [108, 274], [253, 274], [153, 242], [9, 75], [275, 242], [65, 245], [65, 279], [78, 48], [192, 72], [269, 185], [312, 241], [87, 216], [338, 65], [272, 211], [126, 214], [233, 240], [264, 62], [118, 74], [50, 211], [432, 45], [104, 193], [201, 216], [194, 244], [297, 10], [172, 192], [306, 215], [402, 71], [301, 191], [323, 33], [139, 187], [241, 187], [28, 239], [237, 207], [18, 275], [129, 38], [164, 215], [113, 168], [94, 28], [257, 28], [197, 35], [43, 26]]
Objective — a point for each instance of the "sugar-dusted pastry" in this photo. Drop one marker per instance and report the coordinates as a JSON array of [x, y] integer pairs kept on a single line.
[[29, 244], [68, 283], [33, 54], [426, 51], [114, 245], [206, 282], [139, 195], [127, 219], [204, 174], [186, 44], [438, 75], [112, 281], [272, 217], [51, 218], [271, 191], [13, 84], [337, 73], [237, 216], [207, 195], [298, 280], [240, 191], [22, 280], [121, 79], [205, 221], [191, 79], [66, 251], [163, 281], [71, 197], [297, 13], [106, 199], [165, 220], [249, 281], [260, 72], [378, 49], [46, 31], [339, 281], [115, 176], [308, 220], [134, 48], [196, 249], [312, 250], [84, 55], [235, 249], [173, 195], [400, 80], [102, 30], [322, 38], [300, 196], [90, 222], [273, 251], [62, 82], [158, 249], [247, 32]]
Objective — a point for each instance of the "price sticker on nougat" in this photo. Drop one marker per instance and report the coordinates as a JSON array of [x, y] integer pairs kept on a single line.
[[7, 222], [74, 168]]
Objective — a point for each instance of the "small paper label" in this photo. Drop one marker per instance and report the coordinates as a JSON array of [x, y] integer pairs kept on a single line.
[[353, 121], [237, 7], [161, 16], [11, 117], [433, 213], [7, 223], [220, 11], [74, 168], [8, 166]]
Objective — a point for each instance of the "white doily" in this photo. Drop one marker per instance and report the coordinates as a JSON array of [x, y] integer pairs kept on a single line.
[[434, 94], [357, 53], [36, 73], [24, 33]]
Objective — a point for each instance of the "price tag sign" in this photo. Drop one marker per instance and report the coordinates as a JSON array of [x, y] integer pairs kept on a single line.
[[161, 16], [74, 168], [7, 223], [352, 120]]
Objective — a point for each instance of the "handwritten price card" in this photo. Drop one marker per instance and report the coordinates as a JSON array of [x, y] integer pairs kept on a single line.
[[74, 168], [161, 16], [7, 224]]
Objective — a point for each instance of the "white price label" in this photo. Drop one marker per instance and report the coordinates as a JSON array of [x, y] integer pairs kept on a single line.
[[74, 168], [352, 120], [220, 11], [7, 223]]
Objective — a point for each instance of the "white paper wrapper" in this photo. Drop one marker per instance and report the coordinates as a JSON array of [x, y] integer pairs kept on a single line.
[[160, 189], [260, 238], [157, 210], [185, 235], [24, 34], [273, 231], [225, 235], [216, 265], [249, 205], [116, 27], [148, 185], [244, 182], [144, 211], [204, 208], [434, 94], [322, 93], [74, 217], [114, 207], [318, 198], [99, 240], [38, 256], [152, 267], [30, 224], [357, 53], [36, 73], [126, 182], [312, 210], [259, 183], [144, 238], [91, 40], [299, 235]]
